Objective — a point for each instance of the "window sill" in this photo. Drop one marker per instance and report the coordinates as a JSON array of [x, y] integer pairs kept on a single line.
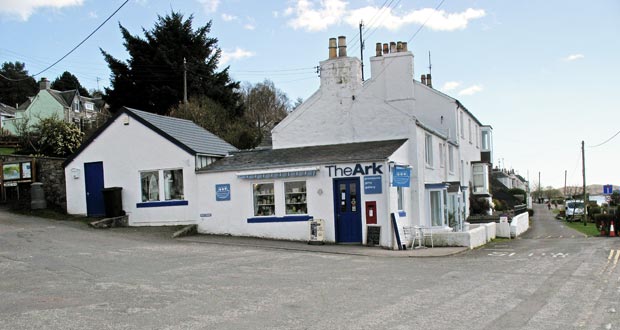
[[162, 203], [288, 218]]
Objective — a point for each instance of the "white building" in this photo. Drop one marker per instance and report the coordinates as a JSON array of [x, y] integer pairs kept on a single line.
[[152, 158], [325, 153]]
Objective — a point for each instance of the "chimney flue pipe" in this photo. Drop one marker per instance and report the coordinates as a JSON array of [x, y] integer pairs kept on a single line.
[[332, 48], [342, 46], [378, 49]]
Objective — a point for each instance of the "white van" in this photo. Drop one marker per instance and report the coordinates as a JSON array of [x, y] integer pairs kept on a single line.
[[574, 209]]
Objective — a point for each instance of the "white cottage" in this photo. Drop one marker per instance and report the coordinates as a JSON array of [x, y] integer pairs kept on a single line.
[[354, 154], [152, 158]]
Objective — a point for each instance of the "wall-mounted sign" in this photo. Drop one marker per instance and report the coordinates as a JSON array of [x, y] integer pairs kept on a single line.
[[401, 176], [372, 184], [358, 169], [17, 171], [222, 192]]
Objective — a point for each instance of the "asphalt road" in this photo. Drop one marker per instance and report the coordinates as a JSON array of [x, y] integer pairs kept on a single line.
[[64, 275]]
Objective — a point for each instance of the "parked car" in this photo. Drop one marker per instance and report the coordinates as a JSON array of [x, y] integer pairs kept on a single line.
[[574, 210]]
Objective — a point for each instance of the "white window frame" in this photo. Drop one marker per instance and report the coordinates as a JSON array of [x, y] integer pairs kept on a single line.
[[161, 185], [428, 150], [480, 172], [263, 199], [462, 123], [440, 210], [442, 155], [295, 198], [451, 158]]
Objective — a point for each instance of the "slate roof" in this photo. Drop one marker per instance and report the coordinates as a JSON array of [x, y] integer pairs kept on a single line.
[[184, 133], [65, 98], [306, 156], [6, 109], [198, 139]]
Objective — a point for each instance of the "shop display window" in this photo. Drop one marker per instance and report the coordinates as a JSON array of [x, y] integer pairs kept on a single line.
[[295, 194], [150, 186], [173, 184], [264, 199]]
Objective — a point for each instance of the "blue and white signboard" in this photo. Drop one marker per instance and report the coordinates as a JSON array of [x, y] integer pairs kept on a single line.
[[372, 184], [608, 189], [222, 192], [401, 177]]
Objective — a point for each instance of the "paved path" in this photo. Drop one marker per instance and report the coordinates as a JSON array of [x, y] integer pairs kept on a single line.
[[543, 225]]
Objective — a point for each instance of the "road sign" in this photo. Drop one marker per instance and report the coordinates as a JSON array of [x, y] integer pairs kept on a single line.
[[607, 189]]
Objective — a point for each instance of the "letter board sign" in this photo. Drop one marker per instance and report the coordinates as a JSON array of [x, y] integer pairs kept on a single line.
[[372, 184]]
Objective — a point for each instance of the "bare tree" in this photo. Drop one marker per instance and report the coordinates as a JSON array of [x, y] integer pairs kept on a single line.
[[265, 106]]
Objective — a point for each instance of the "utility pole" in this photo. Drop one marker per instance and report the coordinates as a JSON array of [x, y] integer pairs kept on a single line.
[[184, 81], [362, 48], [585, 200], [539, 188], [564, 183]]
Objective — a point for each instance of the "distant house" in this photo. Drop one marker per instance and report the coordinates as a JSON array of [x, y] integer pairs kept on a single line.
[[153, 159], [69, 106], [6, 112]]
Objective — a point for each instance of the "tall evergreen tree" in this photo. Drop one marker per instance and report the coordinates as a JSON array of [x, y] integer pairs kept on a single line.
[[152, 78], [19, 86], [68, 81]]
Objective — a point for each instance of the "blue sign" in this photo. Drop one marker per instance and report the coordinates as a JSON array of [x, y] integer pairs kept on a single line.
[[372, 184], [222, 192], [401, 176], [608, 189]]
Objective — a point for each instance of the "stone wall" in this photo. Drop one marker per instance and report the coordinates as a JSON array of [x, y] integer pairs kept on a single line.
[[48, 171]]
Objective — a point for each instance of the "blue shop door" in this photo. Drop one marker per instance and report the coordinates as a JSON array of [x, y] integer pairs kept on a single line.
[[93, 178], [348, 215]]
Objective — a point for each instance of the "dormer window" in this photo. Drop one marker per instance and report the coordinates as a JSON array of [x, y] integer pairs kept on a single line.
[[89, 106]]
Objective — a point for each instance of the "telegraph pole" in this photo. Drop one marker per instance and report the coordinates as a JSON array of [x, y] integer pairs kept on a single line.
[[585, 200], [184, 81], [539, 188], [362, 48], [565, 183]]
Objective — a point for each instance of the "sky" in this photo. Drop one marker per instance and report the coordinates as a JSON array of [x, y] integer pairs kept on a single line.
[[544, 74]]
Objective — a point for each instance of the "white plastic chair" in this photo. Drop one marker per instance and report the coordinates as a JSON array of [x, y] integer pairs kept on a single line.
[[427, 232]]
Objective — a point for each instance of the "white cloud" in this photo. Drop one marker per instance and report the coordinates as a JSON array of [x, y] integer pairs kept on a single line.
[[573, 57], [210, 6], [471, 90], [229, 18], [25, 8], [250, 27], [316, 16], [450, 85], [275, 14], [311, 19], [237, 54], [92, 14], [437, 20]]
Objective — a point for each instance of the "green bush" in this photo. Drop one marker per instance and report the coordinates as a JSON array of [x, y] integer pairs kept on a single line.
[[499, 206]]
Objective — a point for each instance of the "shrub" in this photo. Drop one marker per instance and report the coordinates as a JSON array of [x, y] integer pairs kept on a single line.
[[499, 206]]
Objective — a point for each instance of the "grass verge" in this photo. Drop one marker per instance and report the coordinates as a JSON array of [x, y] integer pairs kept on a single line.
[[589, 229]]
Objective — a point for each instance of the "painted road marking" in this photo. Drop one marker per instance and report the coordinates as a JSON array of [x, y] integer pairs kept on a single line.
[[611, 255], [508, 253]]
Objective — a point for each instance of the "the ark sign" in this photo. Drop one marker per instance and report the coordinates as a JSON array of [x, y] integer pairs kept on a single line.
[[358, 169]]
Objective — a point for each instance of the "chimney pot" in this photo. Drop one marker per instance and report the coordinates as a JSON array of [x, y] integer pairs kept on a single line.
[[423, 79], [392, 47], [429, 82], [332, 48], [386, 49], [342, 46], [405, 46], [378, 49], [399, 46]]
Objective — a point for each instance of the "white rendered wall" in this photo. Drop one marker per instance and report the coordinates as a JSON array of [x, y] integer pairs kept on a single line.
[[125, 150]]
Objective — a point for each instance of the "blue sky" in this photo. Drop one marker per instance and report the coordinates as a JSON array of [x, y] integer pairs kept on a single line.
[[544, 74]]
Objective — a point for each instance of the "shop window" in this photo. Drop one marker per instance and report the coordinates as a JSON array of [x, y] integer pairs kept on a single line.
[[173, 184], [150, 186], [295, 194], [264, 199]]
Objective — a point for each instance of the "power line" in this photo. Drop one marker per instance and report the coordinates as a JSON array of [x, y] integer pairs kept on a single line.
[[600, 144], [77, 46]]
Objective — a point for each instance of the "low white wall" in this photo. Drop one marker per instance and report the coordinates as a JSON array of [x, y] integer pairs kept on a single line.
[[503, 230], [491, 230], [520, 224], [476, 236]]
